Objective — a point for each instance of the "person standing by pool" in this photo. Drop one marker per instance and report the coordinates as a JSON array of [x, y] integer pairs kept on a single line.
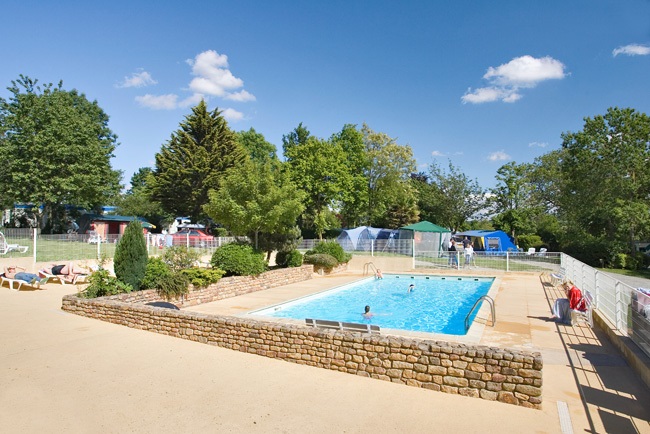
[[453, 258], [469, 253]]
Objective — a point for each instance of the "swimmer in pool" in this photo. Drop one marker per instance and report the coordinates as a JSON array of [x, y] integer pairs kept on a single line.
[[378, 274], [411, 287], [367, 313]]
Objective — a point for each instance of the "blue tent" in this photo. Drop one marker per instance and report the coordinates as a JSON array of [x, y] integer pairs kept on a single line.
[[489, 240]]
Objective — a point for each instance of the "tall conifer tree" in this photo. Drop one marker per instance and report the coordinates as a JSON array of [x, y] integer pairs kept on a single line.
[[193, 162]]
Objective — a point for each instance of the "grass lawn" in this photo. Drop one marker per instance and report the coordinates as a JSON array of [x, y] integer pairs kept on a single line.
[[634, 273]]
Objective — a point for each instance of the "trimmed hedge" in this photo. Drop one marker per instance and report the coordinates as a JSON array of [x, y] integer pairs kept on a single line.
[[331, 248], [321, 260], [286, 259], [239, 260]]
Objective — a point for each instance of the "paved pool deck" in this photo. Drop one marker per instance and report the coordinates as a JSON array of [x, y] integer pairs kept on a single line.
[[65, 373]]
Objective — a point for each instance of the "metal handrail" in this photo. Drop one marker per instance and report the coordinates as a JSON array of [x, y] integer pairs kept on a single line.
[[483, 297], [367, 266]]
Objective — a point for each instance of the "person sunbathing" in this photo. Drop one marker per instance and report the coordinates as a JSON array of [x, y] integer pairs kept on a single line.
[[68, 272], [11, 272]]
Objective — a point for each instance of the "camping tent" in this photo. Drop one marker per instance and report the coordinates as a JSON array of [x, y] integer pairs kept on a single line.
[[428, 237], [489, 240], [355, 238], [362, 237]]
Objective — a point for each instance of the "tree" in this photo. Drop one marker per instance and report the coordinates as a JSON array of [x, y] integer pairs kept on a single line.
[[318, 167], [297, 137], [452, 197], [512, 198], [255, 200], [388, 175], [56, 150], [606, 179], [354, 204], [131, 256], [137, 201], [193, 162], [257, 147]]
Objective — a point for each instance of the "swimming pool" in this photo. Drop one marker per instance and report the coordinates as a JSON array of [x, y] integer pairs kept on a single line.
[[437, 304]]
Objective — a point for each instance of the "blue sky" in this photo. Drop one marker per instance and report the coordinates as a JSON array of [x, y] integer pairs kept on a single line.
[[476, 83]]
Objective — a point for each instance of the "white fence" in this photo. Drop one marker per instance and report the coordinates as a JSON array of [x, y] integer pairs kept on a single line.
[[622, 306], [44, 248]]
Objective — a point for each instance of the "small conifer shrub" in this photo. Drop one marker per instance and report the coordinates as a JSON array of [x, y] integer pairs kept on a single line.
[[131, 256]]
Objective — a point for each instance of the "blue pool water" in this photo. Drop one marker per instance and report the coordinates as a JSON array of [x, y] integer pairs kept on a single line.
[[438, 304]]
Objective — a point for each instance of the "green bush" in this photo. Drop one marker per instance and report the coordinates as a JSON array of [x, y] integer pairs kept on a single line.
[[180, 257], [173, 286], [331, 248], [202, 277], [526, 241], [156, 270], [239, 260], [102, 284], [130, 261], [321, 260], [291, 258]]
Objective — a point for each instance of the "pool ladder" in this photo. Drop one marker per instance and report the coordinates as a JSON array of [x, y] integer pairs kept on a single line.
[[367, 266], [481, 298]]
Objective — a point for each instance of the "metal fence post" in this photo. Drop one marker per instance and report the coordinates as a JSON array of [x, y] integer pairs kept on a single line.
[[34, 244], [372, 247], [507, 261]]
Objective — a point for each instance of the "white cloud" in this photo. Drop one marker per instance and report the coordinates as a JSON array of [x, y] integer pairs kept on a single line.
[[537, 144], [158, 102], [498, 156], [137, 79], [490, 94], [520, 73], [232, 115], [525, 71], [241, 96], [212, 78], [632, 50], [437, 154], [191, 100], [215, 79]]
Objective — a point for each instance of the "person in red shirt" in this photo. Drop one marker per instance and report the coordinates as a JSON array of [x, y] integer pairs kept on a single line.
[[563, 306]]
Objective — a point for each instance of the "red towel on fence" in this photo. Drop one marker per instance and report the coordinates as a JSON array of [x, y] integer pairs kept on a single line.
[[576, 301]]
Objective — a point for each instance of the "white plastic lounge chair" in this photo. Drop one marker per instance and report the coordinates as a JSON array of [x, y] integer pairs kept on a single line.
[[15, 284], [79, 278], [531, 251], [6, 248], [586, 316]]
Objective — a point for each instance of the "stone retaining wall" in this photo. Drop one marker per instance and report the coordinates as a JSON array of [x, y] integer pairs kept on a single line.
[[226, 287], [490, 373]]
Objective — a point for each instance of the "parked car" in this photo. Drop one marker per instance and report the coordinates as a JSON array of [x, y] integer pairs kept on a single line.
[[197, 238]]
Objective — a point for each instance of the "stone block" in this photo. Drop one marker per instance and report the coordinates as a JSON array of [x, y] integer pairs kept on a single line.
[[508, 398], [528, 390], [455, 381], [466, 391]]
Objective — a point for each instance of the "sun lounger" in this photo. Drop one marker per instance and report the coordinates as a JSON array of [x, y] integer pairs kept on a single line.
[[6, 247], [15, 284], [343, 326], [79, 278]]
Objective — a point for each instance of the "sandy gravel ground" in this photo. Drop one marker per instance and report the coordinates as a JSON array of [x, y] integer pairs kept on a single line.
[[64, 373]]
